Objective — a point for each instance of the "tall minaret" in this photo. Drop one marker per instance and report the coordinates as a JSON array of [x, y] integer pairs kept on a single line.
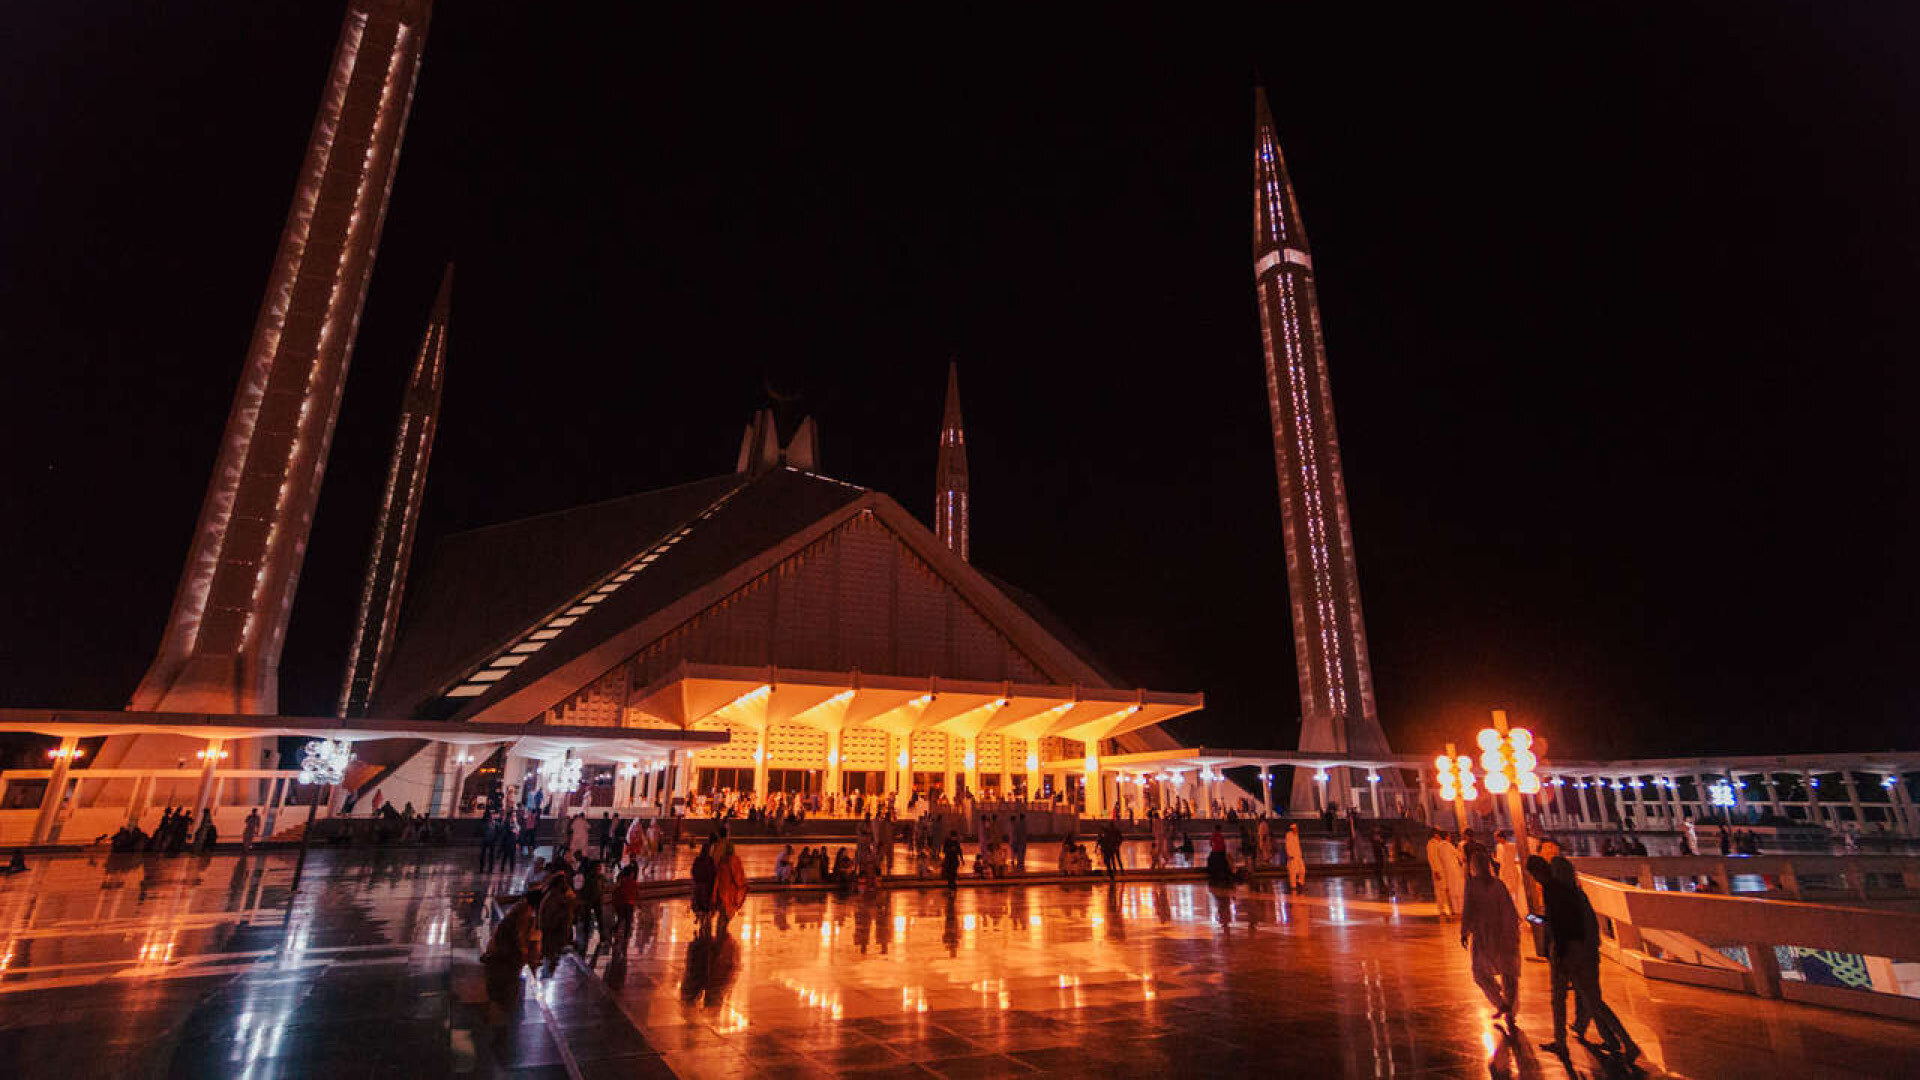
[[221, 650], [399, 512], [1329, 638], [950, 508]]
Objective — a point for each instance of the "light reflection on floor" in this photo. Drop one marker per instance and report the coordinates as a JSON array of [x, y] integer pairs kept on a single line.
[[214, 967]]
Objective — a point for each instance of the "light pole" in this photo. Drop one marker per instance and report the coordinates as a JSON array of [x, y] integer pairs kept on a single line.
[[322, 764], [1508, 758], [1454, 773]]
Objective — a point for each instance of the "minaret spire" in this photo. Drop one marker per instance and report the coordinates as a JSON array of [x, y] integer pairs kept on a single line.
[[221, 649], [1330, 640], [951, 520], [393, 531]]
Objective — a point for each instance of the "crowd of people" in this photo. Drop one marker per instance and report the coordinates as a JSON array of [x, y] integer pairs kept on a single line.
[[176, 833], [1495, 892]]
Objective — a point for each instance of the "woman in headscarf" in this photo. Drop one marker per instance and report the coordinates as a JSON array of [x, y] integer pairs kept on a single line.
[[730, 883], [703, 871], [1490, 926], [512, 947], [556, 919]]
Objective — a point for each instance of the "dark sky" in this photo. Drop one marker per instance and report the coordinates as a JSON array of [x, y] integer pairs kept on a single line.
[[1621, 309]]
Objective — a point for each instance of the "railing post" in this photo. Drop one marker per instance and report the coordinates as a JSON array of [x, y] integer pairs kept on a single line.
[[1722, 878], [1790, 881], [1766, 970], [1646, 876]]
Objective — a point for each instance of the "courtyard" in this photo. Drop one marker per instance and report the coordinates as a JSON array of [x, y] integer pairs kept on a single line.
[[202, 967]]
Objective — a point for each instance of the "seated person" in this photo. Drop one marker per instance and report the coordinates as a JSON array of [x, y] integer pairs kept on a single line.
[[783, 866]]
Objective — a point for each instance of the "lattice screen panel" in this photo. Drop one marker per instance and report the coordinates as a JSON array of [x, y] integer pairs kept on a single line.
[[738, 750], [930, 751], [796, 746], [991, 751], [864, 749]]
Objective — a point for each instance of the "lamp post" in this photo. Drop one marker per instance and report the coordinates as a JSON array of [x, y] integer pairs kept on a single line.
[[1454, 773], [322, 764], [1508, 758]]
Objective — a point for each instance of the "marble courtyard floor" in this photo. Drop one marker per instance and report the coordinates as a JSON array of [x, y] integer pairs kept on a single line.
[[211, 967]]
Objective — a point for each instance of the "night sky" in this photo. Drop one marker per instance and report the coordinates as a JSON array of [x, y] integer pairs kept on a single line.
[[1622, 311]]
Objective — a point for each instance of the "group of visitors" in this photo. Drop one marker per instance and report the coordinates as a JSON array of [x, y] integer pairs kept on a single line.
[[1494, 891], [812, 867], [572, 904], [174, 834]]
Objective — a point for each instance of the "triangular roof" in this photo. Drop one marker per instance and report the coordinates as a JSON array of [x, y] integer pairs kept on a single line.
[[702, 543], [483, 587]]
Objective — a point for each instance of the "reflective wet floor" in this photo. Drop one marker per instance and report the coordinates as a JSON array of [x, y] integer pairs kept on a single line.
[[190, 967]]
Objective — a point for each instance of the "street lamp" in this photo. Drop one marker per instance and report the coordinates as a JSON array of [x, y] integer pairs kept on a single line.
[[323, 763], [1508, 758], [1454, 773]]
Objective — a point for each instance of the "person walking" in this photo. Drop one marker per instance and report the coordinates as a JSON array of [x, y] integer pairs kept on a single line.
[[578, 829], [1575, 960], [1454, 869], [703, 871], [950, 861], [591, 916], [206, 835], [1020, 838], [1109, 842], [729, 883], [489, 839], [509, 840], [1262, 842], [1511, 869], [556, 920], [249, 831], [1159, 825], [1296, 859], [610, 838], [1490, 926], [1439, 854]]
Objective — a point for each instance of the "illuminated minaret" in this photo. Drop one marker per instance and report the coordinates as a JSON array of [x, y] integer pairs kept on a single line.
[[399, 512], [221, 650], [950, 509], [1329, 639]]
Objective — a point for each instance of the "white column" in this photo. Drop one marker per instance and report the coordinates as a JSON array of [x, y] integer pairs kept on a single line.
[[681, 762], [1853, 796], [56, 790], [1903, 803], [1095, 803], [834, 763], [140, 786], [972, 763], [904, 760], [204, 798], [760, 764], [1266, 790], [950, 763], [1032, 747]]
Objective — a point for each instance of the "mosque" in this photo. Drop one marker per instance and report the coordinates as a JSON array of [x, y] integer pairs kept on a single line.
[[770, 630]]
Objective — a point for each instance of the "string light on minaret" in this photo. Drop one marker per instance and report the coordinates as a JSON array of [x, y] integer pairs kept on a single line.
[[1330, 640], [221, 649], [379, 615], [951, 497]]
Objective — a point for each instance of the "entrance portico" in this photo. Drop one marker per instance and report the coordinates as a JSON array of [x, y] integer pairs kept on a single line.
[[843, 724]]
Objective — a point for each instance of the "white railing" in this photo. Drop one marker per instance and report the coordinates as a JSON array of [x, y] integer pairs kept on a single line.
[[103, 800], [1730, 941]]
